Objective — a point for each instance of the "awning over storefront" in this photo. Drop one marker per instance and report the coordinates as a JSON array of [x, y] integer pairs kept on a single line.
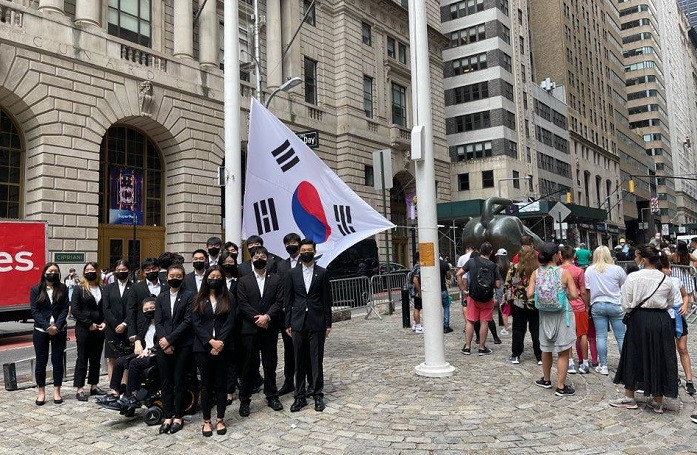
[[459, 210]]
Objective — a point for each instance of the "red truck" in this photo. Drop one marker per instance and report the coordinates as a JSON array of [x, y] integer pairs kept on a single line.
[[23, 253]]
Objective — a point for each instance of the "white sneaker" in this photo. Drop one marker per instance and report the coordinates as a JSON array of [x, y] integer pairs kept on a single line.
[[572, 368], [413, 327], [419, 328], [504, 331], [602, 369], [583, 368]]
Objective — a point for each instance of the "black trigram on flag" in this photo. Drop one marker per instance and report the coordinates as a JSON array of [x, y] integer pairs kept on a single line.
[[342, 215], [265, 214], [285, 156]]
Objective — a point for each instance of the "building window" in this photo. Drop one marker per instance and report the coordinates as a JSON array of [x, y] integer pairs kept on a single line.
[[399, 105], [245, 55], [487, 179], [402, 53], [391, 47], [468, 64], [520, 16], [310, 81], [506, 34], [369, 176], [516, 180], [472, 151], [463, 182], [465, 8], [131, 177], [368, 96], [10, 168], [468, 35], [367, 34], [506, 62], [130, 20], [309, 12], [471, 122], [472, 92]]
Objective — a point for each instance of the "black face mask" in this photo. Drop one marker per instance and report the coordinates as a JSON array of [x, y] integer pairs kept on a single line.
[[91, 276], [149, 314], [174, 282], [52, 277], [229, 268], [234, 256], [213, 251], [259, 264], [292, 249], [307, 257], [121, 275], [152, 276], [215, 284], [199, 265]]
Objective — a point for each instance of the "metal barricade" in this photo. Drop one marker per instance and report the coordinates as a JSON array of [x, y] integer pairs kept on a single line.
[[351, 292], [688, 276], [625, 264]]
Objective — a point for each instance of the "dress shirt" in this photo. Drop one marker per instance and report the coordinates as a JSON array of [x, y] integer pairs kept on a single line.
[[149, 337], [261, 279], [229, 281], [307, 276], [49, 293], [214, 304], [122, 287], [96, 292], [154, 288], [172, 300], [294, 262], [199, 280]]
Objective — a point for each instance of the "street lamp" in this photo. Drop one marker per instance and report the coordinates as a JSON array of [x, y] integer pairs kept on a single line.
[[510, 179], [286, 86]]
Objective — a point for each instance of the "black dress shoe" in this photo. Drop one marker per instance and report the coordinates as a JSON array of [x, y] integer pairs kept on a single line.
[[81, 396], [319, 404], [58, 401], [165, 427], [286, 389], [40, 402], [97, 391], [176, 427], [244, 409], [275, 404], [298, 404], [207, 433]]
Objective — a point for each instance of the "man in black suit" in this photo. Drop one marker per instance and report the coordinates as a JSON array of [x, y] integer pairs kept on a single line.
[[193, 280], [308, 307], [213, 245], [260, 298], [292, 243], [245, 268], [150, 286]]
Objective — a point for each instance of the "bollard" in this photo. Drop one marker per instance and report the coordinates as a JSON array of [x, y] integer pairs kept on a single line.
[[406, 317], [10, 372]]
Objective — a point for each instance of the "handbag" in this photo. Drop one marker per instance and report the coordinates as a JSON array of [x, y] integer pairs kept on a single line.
[[628, 316]]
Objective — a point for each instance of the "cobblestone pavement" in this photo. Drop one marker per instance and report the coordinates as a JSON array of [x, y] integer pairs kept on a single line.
[[377, 404]]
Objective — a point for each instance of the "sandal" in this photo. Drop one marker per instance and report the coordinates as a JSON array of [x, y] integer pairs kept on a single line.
[[220, 427], [207, 433]]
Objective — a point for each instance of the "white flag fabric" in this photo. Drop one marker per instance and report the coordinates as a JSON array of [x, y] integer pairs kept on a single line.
[[289, 189]]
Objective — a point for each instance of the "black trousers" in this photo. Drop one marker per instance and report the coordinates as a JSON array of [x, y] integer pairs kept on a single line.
[[89, 351], [288, 358], [525, 319], [57, 344], [213, 369], [308, 348], [252, 346], [174, 380], [135, 366]]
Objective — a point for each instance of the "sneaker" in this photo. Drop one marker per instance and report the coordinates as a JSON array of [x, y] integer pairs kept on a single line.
[[602, 369], [624, 402], [583, 369], [566, 391], [448, 329], [485, 351], [419, 328], [693, 417], [544, 384], [413, 327], [690, 388], [572, 369], [466, 351], [503, 331], [515, 360], [656, 406], [539, 362]]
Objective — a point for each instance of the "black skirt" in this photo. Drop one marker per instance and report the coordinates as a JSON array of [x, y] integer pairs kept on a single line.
[[649, 359]]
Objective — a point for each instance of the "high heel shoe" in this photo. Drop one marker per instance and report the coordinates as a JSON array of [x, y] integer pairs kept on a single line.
[[207, 433], [218, 424]]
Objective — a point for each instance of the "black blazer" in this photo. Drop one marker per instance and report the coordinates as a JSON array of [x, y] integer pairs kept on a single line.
[[190, 282], [85, 309], [308, 310], [115, 305], [284, 267], [42, 312], [175, 327], [205, 323], [135, 317], [251, 303]]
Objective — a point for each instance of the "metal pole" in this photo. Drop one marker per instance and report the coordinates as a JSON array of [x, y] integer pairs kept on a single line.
[[132, 262], [257, 53], [434, 364], [387, 238], [233, 153]]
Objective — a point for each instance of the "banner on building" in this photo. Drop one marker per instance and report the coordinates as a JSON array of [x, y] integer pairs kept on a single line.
[[412, 213], [289, 189], [125, 195], [22, 256]]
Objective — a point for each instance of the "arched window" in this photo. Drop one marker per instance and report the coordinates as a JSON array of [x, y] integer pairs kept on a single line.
[[10, 168], [131, 181]]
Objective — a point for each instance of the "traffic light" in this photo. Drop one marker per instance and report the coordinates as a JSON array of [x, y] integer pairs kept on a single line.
[[631, 186], [569, 199]]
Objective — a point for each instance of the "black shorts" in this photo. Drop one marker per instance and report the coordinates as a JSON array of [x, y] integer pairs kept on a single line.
[[418, 304]]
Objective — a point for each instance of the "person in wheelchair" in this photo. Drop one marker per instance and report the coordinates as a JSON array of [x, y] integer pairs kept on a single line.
[[141, 359]]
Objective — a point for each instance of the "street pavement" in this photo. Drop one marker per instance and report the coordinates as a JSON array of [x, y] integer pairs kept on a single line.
[[376, 404]]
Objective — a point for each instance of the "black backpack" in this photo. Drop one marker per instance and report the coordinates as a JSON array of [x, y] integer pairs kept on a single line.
[[482, 286]]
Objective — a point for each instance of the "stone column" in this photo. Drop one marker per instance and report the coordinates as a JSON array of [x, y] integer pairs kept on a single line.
[[88, 12], [209, 46], [56, 6], [274, 67], [184, 28], [291, 19]]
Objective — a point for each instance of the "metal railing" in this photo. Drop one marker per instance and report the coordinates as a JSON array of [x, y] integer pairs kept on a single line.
[[367, 292]]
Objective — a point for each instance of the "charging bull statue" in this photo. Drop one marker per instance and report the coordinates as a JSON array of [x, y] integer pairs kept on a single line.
[[502, 231]]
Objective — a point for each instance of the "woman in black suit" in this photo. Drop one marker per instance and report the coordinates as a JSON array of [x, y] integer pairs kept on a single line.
[[87, 308], [115, 315], [228, 262], [175, 339], [48, 302], [213, 319]]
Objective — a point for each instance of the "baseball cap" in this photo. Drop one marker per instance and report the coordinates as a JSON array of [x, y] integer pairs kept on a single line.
[[501, 252]]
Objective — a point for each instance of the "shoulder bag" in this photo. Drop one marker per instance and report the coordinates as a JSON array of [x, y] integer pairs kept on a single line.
[[628, 315]]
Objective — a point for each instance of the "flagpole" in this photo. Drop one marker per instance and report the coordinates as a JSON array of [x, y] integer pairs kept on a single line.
[[233, 154], [434, 364]]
